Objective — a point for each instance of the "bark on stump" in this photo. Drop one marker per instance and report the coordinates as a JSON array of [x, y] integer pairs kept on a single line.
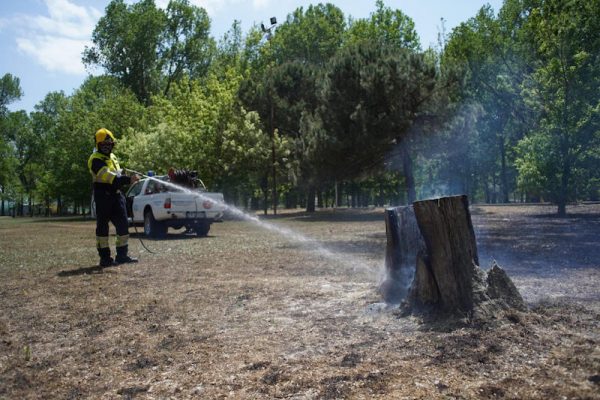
[[447, 278], [404, 241]]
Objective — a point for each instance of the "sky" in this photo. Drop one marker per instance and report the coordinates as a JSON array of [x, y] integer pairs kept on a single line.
[[41, 41]]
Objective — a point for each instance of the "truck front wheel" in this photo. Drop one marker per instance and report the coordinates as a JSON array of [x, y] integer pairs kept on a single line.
[[152, 227]]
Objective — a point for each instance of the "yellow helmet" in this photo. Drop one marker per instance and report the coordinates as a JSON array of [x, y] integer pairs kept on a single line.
[[103, 134]]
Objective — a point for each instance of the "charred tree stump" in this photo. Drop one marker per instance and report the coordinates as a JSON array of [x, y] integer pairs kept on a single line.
[[447, 278], [448, 272], [404, 241]]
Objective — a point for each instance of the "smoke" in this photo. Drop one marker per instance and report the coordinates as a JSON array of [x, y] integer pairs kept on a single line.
[[394, 287], [444, 160], [404, 242]]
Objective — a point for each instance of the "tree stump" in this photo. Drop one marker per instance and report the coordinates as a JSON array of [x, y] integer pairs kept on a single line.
[[447, 278], [404, 241]]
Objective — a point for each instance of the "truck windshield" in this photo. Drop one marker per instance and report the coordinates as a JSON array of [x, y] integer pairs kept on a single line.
[[135, 189]]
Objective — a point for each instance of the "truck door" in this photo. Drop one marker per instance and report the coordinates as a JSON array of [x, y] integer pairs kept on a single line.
[[131, 193]]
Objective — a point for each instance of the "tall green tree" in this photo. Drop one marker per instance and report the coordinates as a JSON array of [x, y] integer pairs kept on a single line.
[[44, 124], [386, 27], [293, 89], [564, 91], [29, 152], [313, 35], [148, 49], [7, 172], [282, 85], [373, 97], [10, 91], [125, 43], [231, 49], [185, 46], [392, 29]]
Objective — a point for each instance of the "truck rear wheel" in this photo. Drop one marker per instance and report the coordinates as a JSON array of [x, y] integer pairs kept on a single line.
[[202, 228], [152, 227]]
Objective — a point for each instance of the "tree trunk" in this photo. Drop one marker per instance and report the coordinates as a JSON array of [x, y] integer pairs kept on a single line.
[[310, 201], [367, 198], [447, 278], [320, 198], [264, 186], [291, 199], [563, 195], [407, 168], [503, 171], [337, 199], [254, 203]]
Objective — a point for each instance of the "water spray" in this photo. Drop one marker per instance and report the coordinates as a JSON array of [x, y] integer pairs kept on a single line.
[[254, 219]]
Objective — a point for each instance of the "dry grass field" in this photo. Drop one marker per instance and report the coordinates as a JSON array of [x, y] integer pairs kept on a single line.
[[248, 313]]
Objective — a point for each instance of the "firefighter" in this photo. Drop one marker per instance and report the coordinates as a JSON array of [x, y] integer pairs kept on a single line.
[[109, 199]]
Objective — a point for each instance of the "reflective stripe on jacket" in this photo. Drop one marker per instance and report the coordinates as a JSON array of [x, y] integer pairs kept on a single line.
[[108, 172]]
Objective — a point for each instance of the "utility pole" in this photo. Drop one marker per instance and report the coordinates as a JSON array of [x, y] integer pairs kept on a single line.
[[267, 34], [273, 159]]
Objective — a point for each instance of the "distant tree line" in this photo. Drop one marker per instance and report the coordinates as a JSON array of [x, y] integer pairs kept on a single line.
[[323, 109]]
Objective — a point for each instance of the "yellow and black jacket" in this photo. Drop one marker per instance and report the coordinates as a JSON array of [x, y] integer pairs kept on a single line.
[[105, 172]]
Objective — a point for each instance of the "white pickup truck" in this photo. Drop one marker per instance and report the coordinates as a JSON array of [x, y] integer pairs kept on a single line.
[[158, 206]]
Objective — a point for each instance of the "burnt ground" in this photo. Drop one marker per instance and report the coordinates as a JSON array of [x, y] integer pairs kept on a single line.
[[248, 314]]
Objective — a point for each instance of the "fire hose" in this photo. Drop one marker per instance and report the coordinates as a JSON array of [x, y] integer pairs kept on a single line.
[[135, 227]]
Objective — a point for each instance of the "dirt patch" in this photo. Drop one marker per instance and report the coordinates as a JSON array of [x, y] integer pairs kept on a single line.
[[244, 313]]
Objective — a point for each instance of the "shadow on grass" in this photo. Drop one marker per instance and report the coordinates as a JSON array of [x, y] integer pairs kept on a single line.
[[96, 269]]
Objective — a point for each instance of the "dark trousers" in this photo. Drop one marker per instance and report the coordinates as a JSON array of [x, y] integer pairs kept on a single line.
[[110, 207]]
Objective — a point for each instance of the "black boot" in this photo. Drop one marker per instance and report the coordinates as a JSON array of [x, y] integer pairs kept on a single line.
[[122, 257], [105, 258]]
